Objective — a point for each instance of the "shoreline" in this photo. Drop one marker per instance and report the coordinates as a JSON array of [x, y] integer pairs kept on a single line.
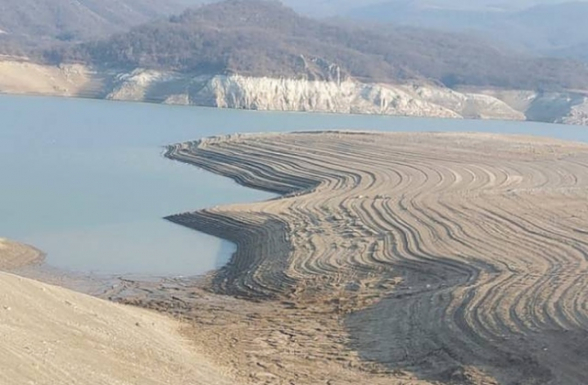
[[389, 258], [284, 94], [354, 114], [51, 333], [26, 261]]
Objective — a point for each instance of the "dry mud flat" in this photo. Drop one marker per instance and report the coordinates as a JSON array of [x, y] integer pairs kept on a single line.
[[394, 259]]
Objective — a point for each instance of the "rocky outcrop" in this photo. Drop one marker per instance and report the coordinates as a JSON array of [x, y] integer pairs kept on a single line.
[[284, 94], [276, 94], [139, 85], [302, 95], [578, 113], [550, 107], [468, 104]]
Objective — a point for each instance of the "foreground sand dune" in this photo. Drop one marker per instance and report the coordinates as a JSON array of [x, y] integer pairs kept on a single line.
[[51, 336], [459, 258]]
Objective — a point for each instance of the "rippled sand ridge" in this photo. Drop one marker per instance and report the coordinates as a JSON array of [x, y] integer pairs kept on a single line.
[[459, 258]]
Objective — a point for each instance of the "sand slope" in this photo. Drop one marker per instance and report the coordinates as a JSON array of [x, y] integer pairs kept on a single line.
[[19, 77], [14, 255], [54, 336], [459, 258]]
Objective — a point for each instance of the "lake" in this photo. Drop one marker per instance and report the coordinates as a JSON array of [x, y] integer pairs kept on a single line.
[[86, 182]]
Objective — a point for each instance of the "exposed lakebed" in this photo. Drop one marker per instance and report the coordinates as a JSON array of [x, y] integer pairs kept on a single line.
[[86, 182]]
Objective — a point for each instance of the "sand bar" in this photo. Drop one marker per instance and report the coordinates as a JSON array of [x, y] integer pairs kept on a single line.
[[399, 258]]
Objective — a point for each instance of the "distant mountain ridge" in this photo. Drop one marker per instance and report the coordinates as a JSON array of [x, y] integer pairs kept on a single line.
[[79, 19], [546, 28], [265, 38]]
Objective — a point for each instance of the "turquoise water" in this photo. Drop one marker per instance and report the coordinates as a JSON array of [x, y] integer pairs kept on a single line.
[[84, 180]]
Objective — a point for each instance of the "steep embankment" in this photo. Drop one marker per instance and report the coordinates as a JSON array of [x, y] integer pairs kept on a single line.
[[416, 99], [55, 336], [280, 94], [453, 257], [17, 77]]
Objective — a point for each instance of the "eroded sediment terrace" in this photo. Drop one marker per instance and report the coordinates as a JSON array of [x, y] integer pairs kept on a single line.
[[446, 257]]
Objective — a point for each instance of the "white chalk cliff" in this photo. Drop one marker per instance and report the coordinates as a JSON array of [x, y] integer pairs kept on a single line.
[[278, 94], [281, 94]]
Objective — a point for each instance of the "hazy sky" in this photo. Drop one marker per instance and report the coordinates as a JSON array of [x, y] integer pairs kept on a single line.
[[323, 8], [332, 7]]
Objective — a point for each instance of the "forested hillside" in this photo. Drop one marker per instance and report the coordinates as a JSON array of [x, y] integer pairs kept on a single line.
[[262, 38]]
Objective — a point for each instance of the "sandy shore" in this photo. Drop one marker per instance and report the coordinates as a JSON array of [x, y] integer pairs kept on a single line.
[[51, 335], [394, 259]]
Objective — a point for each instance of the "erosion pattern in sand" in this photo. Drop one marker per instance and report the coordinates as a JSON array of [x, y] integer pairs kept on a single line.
[[456, 257], [51, 335]]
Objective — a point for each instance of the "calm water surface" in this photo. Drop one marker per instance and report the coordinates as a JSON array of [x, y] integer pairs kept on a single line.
[[84, 180]]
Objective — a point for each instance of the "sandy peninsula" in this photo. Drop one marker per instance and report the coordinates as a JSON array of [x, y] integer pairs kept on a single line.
[[51, 335], [393, 259]]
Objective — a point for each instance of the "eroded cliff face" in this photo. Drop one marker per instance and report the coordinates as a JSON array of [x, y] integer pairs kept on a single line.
[[276, 94], [578, 114], [302, 95]]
